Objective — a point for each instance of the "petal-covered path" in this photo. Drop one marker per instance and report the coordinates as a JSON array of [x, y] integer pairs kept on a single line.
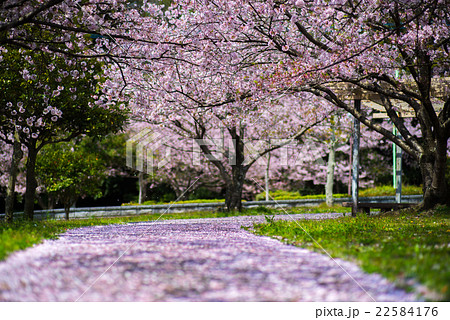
[[184, 260]]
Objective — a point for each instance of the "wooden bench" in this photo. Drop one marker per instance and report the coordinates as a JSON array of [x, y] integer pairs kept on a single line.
[[366, 206]]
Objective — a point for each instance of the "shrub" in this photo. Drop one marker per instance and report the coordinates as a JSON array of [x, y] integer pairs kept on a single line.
[[369, 192], [293, 195], [389, 191]]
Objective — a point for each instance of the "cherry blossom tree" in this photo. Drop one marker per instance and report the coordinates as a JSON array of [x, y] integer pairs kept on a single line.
[[37, 88], [176, 163], [202, 83], [223, 135], [76, 27], [390, 52], [232, 147], [66, 34], [310, 160]]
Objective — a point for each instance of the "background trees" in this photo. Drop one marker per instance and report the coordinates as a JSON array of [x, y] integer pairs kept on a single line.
[[232, 147], [202, 85], [205, 69], [208, 100]]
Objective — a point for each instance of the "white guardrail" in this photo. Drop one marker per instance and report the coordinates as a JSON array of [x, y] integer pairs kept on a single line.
[[190, 207]]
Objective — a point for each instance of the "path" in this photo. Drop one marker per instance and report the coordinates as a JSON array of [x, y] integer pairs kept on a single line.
[[183, 260]]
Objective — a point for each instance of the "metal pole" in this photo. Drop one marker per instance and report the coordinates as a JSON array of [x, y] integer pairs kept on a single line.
[[398, 173], [267, 177], [394, 160], [355, 159], [350, 169]]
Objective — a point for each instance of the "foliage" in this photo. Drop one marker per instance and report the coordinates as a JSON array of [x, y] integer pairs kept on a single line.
[[400, 246], [118, 185], [152, 202], [110, 149], [46, 98], [389, 191], [68, 171], [369, 192], [292, 195]]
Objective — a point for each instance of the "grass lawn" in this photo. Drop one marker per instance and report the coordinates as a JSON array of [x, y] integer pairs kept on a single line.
[[405, 247]]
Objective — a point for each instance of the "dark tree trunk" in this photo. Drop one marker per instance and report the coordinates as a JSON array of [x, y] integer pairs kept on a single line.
[[142, 188], [10, 193], [66, 211], [50, 202], [433, 167], [31, 183], [233, 196], [69, 199]]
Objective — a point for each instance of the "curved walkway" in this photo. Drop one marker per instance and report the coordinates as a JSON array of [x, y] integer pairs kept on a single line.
[[184, 260]]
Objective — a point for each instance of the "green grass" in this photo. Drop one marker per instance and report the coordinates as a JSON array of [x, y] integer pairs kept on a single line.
[[321, 208], [401, 246]]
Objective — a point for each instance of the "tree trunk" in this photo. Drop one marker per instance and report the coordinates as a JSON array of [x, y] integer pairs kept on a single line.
[[69, 199], [31, 183], [50, 202], [331, 163], [10, 192], [267, 177], [433, 167], [233, 196], [66, 211], [67, 205], [142, 187], [330, 174]]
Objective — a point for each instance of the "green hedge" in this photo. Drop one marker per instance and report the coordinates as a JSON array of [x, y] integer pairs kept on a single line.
[[370, 192], [389, 191], [292, 195], [152, 202]]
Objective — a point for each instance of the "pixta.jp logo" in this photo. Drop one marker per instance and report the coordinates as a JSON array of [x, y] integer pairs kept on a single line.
[[151, 150], [145, 151]]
